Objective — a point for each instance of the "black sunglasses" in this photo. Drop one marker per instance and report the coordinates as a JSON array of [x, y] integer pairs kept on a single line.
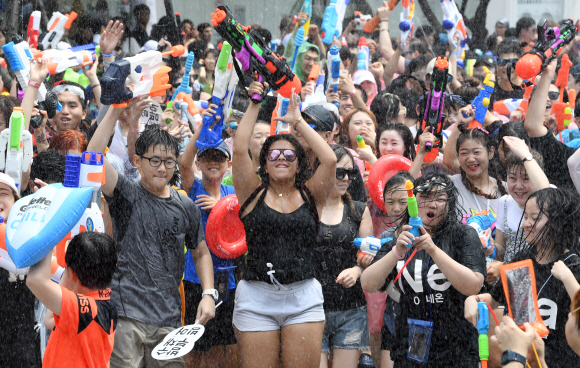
[[504, 62], [554, 96], [289, 155], [341, 172]]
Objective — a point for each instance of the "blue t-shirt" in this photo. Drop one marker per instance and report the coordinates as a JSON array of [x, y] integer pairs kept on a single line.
[[218, 263]]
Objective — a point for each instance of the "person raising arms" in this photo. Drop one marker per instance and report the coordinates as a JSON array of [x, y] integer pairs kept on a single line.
[[279, 304]]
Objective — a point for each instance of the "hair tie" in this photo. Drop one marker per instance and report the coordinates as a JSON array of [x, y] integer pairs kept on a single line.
[[482, 129]]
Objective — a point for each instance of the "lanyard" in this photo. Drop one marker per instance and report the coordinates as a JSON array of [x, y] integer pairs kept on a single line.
[[428, 288], [551, 276]]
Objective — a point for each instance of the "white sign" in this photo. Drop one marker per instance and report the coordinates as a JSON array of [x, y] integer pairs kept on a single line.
[[178, 342], [151, 115]]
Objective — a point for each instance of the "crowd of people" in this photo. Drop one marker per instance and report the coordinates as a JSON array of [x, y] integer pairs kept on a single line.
[[303, 295]]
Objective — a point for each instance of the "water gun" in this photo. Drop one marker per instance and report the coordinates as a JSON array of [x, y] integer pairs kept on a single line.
[[332, 20], [406, 23], [33, 29], [334, 76], [363, 54], [145, 71], [19, 56], [453, 22], [185, 103], [414, 220], [433, 116], [481, 102], [61, 60], [85, 171], [318, 80], [298, 40], [370, 245], [559, 108], [16, 148], [184, 87], [56, 26], [306, 8], [484, 223], [549, 44], [282, 127], [482, 328], [330, 55], [371, 25], [254, 56], [360, 20], [224, 89]]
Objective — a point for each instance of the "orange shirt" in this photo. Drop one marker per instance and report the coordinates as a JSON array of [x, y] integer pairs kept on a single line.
[[84, 332]]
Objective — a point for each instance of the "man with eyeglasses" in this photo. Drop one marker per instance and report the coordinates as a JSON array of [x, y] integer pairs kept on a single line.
[[152, 222], [508, 51]]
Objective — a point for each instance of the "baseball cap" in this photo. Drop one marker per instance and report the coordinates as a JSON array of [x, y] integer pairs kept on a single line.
[[223, 147], [431, 65], [320, 117], [5, 179]]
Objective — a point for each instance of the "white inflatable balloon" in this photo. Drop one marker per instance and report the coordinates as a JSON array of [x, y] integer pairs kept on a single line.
[[38, 222]]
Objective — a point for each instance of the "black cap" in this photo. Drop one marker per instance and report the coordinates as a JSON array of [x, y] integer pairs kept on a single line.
[[321, 117], [488, 60]]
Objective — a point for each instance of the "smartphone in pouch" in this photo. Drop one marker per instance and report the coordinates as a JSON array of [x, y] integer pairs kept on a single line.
[[220, 280]]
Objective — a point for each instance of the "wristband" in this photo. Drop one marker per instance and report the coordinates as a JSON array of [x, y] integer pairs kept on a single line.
[[95, 86], [396, 254], [453, 52], [297, 121], [107, 55], [351, 93], [42, 140], [34, 84]]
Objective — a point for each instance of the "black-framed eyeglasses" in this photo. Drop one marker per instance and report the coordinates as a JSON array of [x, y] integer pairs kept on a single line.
[[341, 173], [156, 162], [554, 95], [504, 62], [289, 155]]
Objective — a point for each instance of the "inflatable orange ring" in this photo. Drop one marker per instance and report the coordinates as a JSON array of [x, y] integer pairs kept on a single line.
[[225, 234], [381, 172]]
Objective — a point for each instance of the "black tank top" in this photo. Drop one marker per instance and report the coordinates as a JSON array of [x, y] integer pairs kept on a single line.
[[286, 240], [334, 253]]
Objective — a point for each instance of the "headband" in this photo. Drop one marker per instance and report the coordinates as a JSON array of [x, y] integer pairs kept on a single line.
[[77, 91]]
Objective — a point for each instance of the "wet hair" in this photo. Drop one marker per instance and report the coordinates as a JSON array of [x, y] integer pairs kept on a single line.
[[210, 51], [510, 46], [140, 9], [408, 99], [285, 24], [153, 136], [524, 23], [346, 122], [419, 62], [513, 129], [469, 89], [93, 258], [405, 134], [385, 106], [561, 232], [438, 183], [7, 104], [47, 166], [197, 47], [340, 152], [482, 138], [202, 26], [513, 163], [396, 181], [304, 169], [424, 31], [186, 21], [68, 139]]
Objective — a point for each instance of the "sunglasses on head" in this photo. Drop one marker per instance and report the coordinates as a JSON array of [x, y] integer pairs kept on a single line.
[[504, 62], [341, 172], [554, 95], [289, 155]]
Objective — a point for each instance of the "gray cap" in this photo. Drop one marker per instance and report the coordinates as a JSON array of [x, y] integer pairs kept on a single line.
[[223, 147]]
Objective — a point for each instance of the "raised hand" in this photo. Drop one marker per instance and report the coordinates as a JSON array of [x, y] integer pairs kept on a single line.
[[111, 36]]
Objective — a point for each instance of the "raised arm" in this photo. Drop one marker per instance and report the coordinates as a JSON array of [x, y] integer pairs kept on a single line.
[[245, 179], [534, 122], [537, 176], [38, 73], [385, 44], [39, 282], [415, 168], [346, 86], [455, 52], [319, 184]]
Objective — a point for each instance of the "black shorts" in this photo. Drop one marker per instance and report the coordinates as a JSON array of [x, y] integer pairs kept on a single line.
[[219, 330]]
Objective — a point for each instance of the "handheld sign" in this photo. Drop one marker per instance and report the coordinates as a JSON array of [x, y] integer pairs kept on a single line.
[[178, 342]]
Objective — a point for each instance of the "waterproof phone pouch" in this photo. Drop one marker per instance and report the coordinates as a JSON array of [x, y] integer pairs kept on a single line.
[[220, 280], [420, 333], [519, 286]]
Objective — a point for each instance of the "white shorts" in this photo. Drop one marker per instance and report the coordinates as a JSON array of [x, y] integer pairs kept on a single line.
[[264, 307]]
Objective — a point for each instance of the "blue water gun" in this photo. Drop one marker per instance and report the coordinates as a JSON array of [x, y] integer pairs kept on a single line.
[[370, 245], [481, 102], [484, 223], [482, 328], [335, 76], [306, 8], [184, 87], [329, 21]]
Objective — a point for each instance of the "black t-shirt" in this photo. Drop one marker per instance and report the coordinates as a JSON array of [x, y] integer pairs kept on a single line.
[[19, 345], [334, 253], [500, 94], [555, 155], [140, 35], [554, 304], [433, 298]]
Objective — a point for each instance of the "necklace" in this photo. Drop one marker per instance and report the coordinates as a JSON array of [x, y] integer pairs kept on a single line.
[[282, 194]]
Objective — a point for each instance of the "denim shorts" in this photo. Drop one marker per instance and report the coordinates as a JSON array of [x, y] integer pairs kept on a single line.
[[346, 330]]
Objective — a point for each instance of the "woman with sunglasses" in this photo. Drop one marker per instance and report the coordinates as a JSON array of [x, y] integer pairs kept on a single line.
[[279, 304], [346, 329], [508, 51]]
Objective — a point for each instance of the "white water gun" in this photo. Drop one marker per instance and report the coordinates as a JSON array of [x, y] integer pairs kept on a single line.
[[453, 21], [16, 148], [406, 20], [61, 60], [185, 103], [56, 26], [33, 29]]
